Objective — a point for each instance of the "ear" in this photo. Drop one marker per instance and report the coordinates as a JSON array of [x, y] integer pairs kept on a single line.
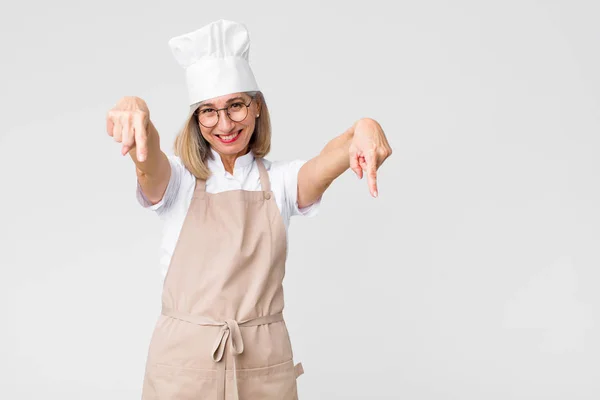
[[258, 106]]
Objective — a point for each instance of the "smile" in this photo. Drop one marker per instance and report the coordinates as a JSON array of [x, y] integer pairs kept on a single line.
[[229, 138]]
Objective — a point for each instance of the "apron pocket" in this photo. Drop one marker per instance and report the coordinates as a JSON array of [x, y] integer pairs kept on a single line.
[[166, 382], [276, 382]]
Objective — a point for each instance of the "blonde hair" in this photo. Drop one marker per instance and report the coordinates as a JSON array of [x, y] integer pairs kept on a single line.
[[194, 150]]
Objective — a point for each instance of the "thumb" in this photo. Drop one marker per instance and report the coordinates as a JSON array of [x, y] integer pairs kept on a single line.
[[354, 165]]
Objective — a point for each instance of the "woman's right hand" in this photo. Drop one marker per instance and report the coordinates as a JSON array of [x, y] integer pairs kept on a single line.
[[127, 123]]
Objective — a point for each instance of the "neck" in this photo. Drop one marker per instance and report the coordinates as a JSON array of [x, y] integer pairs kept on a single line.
[[228, 160]]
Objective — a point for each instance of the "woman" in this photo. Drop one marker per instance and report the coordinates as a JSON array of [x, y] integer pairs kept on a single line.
[[221, 332]]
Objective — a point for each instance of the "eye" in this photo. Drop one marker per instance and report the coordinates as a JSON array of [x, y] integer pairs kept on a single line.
[[206, 110], [236, 106]]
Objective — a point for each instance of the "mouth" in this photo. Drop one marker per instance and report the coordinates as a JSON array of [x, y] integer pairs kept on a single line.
[[229, 138]]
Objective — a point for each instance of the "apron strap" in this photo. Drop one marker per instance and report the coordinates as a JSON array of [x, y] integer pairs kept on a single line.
[[264, 176], [200, 188]]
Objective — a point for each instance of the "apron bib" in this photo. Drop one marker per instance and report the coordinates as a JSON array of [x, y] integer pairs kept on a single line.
[[221, 333]]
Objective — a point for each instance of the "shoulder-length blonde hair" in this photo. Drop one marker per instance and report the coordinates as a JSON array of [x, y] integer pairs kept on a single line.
[[194, 150]]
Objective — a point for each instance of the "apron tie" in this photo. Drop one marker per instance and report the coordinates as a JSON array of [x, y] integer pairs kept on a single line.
[[229, 328], [230, 332]]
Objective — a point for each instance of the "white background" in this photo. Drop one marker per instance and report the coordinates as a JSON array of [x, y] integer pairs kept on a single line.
[[475, 273]]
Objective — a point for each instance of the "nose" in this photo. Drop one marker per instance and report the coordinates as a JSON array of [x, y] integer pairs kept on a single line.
[[225, 124]]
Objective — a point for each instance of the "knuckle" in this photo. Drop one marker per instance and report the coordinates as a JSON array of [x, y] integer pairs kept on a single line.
[[113, 114], [368, 120], [139, 100], [139, 116], [123, 101]]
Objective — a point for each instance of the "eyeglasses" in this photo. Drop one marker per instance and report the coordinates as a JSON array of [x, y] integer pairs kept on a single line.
[[237, 112]]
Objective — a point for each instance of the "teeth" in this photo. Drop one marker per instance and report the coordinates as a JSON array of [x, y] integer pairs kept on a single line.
[[230, 136]]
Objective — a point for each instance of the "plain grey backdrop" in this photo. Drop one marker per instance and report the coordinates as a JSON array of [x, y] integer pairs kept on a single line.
[[475, 273]]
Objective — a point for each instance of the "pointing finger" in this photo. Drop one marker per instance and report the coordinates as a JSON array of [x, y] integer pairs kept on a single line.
[[370, 158], [141, 137], [127, 140]]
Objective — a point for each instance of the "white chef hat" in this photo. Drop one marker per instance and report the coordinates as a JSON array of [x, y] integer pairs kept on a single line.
[[215, 59]]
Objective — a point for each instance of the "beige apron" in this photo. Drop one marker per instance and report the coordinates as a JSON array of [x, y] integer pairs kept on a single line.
[[221, 334]]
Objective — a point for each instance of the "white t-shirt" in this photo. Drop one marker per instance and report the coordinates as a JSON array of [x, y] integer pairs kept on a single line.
[[173, 207]]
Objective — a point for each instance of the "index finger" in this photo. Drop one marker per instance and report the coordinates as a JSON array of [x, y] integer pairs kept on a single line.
[[141, 142], [370, 158]]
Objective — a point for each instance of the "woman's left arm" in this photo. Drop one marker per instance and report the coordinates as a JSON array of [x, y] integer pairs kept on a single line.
[[362, 147]]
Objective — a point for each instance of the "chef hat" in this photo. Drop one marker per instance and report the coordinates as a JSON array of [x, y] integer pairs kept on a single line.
[[215, 59]]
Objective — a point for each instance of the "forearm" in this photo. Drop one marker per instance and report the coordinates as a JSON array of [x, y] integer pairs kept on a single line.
[[318, 173]]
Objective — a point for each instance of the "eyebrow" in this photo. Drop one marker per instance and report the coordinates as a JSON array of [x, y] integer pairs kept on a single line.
[[228, 101]]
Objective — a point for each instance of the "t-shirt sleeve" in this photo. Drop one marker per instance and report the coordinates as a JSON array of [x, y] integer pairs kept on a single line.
[[291, 191], [170, 194]]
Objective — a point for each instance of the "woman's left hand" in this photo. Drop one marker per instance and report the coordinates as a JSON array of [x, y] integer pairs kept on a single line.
[[368, 150]]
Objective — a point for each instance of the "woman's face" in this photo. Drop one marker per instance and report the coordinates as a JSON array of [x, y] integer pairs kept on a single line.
[[228, 137]]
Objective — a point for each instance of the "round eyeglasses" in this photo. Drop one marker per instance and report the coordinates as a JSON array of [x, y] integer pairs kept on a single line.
[[209, 117]]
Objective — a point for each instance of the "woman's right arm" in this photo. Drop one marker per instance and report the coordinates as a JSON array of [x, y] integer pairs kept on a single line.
[[129, 123]]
